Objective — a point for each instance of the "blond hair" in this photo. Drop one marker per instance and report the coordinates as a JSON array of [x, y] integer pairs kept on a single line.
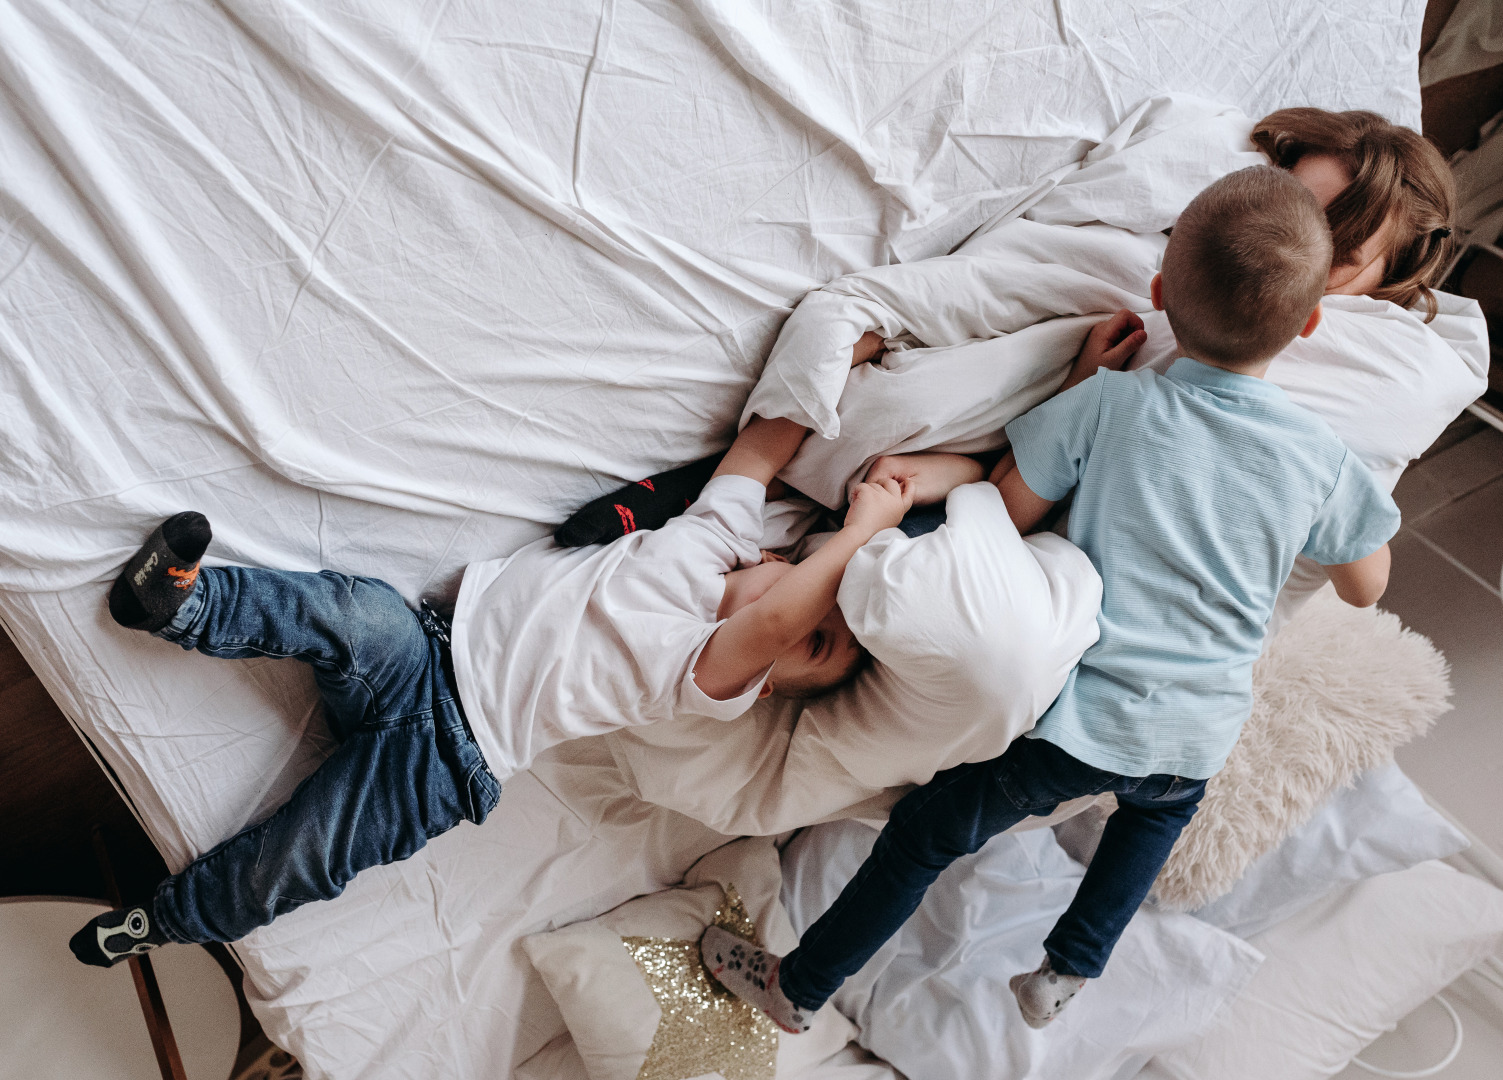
[[1246, 264], [1397, 176]]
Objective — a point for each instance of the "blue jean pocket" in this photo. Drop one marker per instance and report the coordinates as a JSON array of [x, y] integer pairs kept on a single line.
[[1178, 789]]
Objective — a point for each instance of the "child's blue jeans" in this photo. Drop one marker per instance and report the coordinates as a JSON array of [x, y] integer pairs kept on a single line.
[[959, 811], [406, 768]]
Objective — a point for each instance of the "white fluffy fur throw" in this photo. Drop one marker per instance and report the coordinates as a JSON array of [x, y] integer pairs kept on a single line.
[[1336, 692]]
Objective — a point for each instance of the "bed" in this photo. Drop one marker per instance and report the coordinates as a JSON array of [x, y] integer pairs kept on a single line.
[[389, 288]]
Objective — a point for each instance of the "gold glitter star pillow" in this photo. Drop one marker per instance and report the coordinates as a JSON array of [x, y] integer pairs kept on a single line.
[[639, 1003]]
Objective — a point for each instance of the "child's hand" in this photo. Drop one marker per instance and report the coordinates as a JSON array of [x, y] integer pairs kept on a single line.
[[930, 477], [1111, 343], [878, 506], [869, 346]]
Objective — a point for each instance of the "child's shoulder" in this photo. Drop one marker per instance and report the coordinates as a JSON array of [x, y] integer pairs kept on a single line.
[[1137, 383], [1312, 437]]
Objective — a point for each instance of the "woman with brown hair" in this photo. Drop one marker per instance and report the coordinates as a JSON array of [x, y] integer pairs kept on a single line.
[[1387, 193]]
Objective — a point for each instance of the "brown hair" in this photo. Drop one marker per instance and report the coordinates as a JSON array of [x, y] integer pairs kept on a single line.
[[1246, 264], [1396, 174]]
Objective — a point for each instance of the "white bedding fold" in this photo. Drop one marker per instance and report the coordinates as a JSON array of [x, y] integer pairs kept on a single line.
[[996, 324], [989, 334]]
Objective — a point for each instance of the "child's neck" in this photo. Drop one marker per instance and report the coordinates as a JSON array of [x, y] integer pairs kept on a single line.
[[1256, 371]]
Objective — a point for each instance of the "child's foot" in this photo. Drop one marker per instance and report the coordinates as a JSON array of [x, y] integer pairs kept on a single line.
[[647, 504], [1044, 993], [752, 975], [107, 939], [161, 575]]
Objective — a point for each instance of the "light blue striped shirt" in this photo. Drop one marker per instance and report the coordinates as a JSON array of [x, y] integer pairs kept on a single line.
[[1196, 490]]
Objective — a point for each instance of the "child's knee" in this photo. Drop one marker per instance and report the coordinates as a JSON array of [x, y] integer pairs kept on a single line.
[[385, 640], [380, 612]]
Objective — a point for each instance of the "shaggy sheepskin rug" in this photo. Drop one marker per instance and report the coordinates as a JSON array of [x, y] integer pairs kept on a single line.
[[1335, 693]]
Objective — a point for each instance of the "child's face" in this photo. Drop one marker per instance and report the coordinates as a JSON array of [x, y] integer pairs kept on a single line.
[[824, 655], [1327, 177]]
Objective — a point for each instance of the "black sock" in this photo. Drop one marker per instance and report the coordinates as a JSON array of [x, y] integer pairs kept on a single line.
[[107, 939], [647, 504], [161, 575]]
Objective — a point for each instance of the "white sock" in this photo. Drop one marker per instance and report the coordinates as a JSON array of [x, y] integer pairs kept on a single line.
[[752, 975], [1042, 994]]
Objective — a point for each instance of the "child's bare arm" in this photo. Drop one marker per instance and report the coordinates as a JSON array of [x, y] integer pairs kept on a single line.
[[1024, 507], [747, 643], [869, 346], [1111, 344], [762, 449], [930, 477], [1362, 583]]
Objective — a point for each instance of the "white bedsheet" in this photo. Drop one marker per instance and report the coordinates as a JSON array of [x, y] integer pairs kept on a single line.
[[390, 287]]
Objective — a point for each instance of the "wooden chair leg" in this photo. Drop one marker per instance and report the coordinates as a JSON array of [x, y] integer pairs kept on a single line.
[[147, 989]]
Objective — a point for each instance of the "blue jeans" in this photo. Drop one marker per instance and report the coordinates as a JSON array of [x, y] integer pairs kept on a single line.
[[959, 811], [405, 770], [922, 519]]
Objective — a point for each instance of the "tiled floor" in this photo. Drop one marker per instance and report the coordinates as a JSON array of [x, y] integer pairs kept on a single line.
[[1445, 584]]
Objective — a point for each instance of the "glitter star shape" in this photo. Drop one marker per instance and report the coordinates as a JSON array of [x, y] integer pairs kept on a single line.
[[705, 1028]]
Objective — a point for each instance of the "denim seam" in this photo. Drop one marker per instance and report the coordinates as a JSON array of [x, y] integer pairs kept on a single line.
[[1010, 790], [242, 643]]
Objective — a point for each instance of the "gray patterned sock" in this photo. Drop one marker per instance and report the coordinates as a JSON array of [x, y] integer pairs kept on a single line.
[[752, 975], [1042, 994]]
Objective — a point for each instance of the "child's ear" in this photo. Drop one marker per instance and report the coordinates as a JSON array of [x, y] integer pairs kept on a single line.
[[1156, 292], [765, 691], [1313, 322]]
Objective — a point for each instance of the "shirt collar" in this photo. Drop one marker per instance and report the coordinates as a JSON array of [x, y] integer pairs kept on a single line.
[[1194, 373]]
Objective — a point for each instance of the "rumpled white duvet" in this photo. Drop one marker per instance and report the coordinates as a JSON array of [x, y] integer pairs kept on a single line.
[[974, 630], [389, 287]]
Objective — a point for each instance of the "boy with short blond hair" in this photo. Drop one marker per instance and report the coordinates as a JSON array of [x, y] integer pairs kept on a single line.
[[1195, 490]]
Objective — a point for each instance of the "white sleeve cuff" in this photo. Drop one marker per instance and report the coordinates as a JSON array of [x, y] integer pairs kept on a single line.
[[695, 702]]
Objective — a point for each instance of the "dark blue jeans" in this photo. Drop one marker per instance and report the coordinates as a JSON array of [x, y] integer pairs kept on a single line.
[[959, 811], [922, 519], [405, 769]]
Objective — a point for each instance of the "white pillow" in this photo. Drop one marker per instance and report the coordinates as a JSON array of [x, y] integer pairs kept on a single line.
[[1342, 972], [934, 1000], [559, 1060], [633, 992], [1379, 825]]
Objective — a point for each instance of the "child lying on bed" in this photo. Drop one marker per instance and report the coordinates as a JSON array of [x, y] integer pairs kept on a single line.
[[1194, 493], [547, 645]]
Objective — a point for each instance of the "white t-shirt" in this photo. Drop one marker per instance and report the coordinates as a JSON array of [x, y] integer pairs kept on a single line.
[[974, 629], [559, 643]]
